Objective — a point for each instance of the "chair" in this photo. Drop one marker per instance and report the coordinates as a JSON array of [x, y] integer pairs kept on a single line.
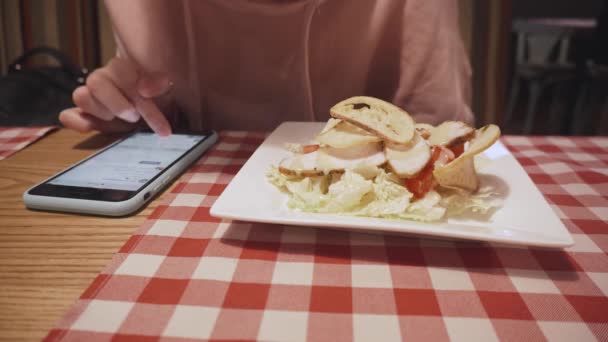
[[595, 82], [542, 60]]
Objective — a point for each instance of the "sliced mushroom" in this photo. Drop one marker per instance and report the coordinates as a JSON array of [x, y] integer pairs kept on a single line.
[[406, 161], [424, 130], [303, 164], [329, 159], [451, 133]]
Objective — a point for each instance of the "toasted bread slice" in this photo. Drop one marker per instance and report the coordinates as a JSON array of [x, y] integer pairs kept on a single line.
[[344, 135], [407, 161], [329, 159], [485, 137], [451, 133], [331, 123], [381, 118], [460, 173]]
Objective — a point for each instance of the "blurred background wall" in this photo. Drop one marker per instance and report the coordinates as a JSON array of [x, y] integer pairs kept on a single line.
[[557, 9], [81, 28]]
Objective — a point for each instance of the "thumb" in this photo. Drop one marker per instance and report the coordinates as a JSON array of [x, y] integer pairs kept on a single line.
[[153, 85]]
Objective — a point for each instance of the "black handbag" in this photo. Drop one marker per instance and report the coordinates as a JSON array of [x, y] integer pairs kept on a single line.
[[34, 96]]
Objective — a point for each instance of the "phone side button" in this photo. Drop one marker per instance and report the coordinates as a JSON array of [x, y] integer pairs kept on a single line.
[[153, 191], [159, 186]]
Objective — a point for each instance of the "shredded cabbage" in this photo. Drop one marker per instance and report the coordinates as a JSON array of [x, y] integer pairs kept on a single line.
[[426, 209], [387, 197], [371, 191], [307, 193]]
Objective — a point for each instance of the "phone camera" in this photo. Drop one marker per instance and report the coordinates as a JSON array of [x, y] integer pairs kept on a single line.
[[146, 196]]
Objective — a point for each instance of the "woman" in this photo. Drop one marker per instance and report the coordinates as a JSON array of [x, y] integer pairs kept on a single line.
[[252, 64]]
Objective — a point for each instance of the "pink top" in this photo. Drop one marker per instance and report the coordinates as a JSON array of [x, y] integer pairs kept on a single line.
[[252, 64]]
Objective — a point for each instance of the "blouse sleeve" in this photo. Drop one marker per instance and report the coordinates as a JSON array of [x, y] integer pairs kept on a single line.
[[434, 85]]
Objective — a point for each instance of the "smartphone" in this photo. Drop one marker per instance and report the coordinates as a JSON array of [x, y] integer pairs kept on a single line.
[[120, 179]]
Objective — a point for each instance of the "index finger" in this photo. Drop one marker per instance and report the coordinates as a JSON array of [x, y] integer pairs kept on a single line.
[[152, 116], [123, 73]]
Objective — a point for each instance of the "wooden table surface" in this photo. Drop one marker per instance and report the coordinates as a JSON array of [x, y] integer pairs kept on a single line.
[[48, 259]]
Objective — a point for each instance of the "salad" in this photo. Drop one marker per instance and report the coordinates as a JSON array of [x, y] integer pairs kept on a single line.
[[371, 159]]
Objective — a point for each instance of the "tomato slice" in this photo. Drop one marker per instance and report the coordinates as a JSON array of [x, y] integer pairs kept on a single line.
[[458, 150], [309, 148], [424, 181], [442, 155]]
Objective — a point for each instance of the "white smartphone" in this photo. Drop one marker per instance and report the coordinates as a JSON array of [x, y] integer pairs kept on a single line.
[[121, 178]]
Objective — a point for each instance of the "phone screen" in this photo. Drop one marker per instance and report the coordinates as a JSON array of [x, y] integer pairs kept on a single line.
[[129, 164], [123, 169]]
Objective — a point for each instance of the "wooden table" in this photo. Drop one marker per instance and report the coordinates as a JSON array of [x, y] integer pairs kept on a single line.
[[48, 259]]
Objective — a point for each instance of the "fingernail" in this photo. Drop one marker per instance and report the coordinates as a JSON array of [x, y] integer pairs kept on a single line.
[[129, 115]]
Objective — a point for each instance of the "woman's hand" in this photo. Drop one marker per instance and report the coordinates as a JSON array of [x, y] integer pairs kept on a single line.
[[115, 98]]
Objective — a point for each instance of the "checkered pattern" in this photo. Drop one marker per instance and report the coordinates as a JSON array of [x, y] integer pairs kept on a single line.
[[188, 276], [13, 139]]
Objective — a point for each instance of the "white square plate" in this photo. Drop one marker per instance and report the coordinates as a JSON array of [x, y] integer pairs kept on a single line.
[[525, 217]]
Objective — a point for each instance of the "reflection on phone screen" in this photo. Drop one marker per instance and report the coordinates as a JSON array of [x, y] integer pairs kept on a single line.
[[129, 164]]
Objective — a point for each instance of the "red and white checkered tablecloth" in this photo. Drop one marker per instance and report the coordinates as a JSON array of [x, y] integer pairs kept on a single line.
[[14, 139], [188, 276]]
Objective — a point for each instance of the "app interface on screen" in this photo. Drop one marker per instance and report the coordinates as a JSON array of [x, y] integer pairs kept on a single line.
[[129, 164]]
